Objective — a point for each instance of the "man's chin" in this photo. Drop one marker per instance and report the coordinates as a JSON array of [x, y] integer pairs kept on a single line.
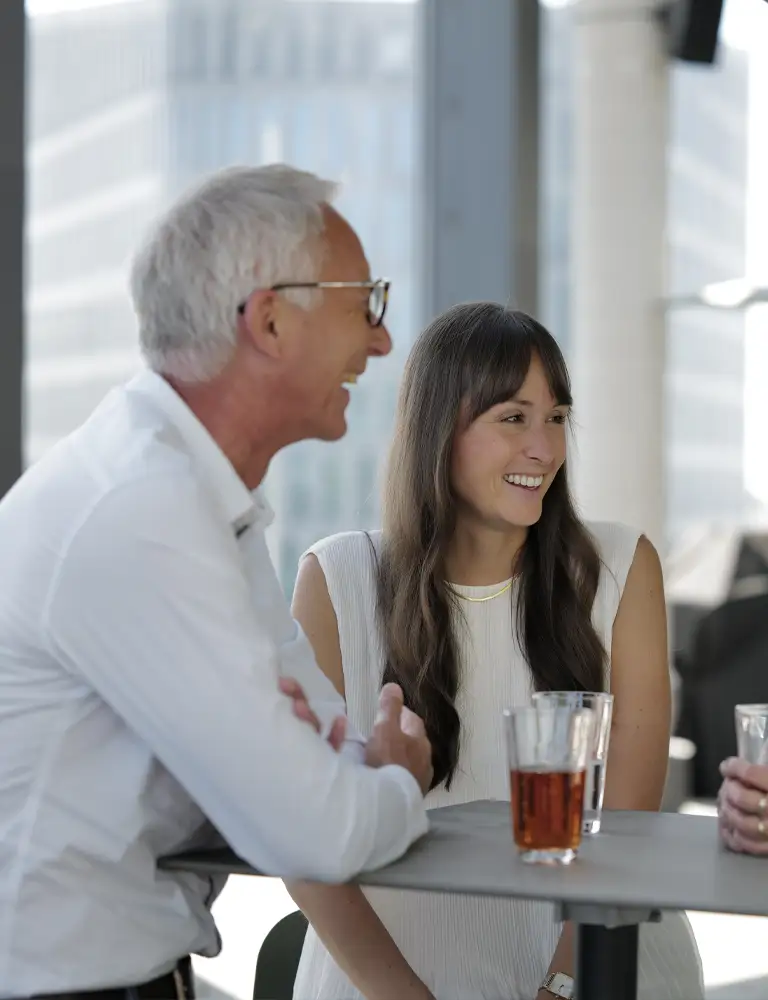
[[333, 431]]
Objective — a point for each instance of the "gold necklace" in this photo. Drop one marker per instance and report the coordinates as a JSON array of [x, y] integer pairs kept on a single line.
[[490, 597]]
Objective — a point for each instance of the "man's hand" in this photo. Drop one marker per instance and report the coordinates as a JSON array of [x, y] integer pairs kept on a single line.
[[302, 711], [742, 806], [399, 738]]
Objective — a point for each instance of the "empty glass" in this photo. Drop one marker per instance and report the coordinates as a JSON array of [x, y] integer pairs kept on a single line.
[[548, 748], [752, 733], [601, 704]]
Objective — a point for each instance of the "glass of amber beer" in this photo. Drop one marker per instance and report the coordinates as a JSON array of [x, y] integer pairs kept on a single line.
[[548, 748]]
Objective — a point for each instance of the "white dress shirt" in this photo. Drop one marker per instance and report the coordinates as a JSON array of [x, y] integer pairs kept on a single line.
[[142, 632]]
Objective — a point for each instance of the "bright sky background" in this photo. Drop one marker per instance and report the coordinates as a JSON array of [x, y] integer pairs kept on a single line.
[[36, 7], [745, 25]]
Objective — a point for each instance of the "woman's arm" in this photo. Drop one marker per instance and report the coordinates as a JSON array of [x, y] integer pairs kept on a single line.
[[638, 753], [639, 747], [345, 921]]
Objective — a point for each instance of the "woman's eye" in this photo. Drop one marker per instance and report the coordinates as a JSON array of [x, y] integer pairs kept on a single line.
[[513, 418], [559, 418]]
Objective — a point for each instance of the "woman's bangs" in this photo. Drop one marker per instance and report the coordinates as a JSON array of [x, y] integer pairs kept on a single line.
[[495, 373], [556, 372]]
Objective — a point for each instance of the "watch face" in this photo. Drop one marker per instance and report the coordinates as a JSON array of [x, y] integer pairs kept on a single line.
[[560, 985]]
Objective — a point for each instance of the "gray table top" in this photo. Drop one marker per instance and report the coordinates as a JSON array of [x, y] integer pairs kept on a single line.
[[664, 861]]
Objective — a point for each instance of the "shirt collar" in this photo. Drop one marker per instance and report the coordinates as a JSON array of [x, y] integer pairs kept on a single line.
[[241, 506]]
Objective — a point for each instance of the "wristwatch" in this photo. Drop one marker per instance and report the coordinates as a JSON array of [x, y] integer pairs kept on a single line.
[[559, 985]]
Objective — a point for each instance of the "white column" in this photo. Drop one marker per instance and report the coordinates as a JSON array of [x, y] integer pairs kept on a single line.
[[618, 263]]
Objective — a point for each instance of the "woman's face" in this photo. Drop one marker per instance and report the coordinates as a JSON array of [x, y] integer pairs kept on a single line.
[[506, 460]]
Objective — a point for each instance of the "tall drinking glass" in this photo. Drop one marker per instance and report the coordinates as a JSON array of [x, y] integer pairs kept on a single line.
[[548, 748], [601, 704], [752, 733]]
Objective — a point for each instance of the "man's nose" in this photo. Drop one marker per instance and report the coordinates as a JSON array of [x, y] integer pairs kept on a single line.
[[381, 343]]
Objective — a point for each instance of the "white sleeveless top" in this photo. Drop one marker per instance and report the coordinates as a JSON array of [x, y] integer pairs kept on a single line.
[[472, 948]]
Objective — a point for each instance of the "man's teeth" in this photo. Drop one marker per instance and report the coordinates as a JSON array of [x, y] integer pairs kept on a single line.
[[532, 482], [350, 378]]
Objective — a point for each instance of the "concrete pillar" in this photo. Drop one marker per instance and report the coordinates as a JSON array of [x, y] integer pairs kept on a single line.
[[479, 191], [618, 263]]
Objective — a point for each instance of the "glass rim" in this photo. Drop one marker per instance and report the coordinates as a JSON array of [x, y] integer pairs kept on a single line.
[[511, 713], [573, 695], [756, 708]]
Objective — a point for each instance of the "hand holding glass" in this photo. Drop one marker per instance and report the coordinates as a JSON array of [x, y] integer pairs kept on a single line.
[[548, 748]]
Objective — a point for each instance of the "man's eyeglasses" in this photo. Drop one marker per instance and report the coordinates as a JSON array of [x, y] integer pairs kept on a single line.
[[378, 295]]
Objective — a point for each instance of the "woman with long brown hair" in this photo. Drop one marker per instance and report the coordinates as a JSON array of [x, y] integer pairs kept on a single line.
[[482, 587]]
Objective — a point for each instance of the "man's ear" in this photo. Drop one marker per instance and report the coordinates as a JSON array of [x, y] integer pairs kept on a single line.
[[257, 322]]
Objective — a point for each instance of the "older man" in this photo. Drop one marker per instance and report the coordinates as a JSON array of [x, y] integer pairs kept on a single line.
[[143, 636]]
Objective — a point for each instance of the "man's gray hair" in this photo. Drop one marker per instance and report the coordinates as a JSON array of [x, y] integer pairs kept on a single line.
[[241, 229]]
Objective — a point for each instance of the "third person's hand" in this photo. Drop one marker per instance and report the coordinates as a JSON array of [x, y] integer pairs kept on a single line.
[[742, 806]]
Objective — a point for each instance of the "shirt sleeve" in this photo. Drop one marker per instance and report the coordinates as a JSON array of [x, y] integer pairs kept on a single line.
[[297, 659], [151, 604]]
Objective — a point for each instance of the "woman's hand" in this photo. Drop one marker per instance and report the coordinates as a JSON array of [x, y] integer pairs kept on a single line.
[[742, 806]]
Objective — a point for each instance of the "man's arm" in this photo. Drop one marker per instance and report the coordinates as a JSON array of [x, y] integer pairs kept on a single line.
[[151, 606], [343, 918], [297, 662]]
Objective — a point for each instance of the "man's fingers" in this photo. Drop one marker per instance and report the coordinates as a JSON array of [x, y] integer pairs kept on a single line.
[[302, 711], [338, 732], [390, 704], [291, 688], [411, 723]]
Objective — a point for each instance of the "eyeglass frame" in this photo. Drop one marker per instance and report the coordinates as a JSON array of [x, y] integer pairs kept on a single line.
[[374, 284]]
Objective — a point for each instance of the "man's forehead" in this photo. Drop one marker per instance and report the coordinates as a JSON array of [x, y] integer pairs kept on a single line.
[[344, 251]]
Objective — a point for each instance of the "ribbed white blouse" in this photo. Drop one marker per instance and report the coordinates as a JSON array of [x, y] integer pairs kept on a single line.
[[468, 948]]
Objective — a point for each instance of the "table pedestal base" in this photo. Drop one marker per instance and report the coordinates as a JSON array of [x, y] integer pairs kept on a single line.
[[606, 948], [606, 962]]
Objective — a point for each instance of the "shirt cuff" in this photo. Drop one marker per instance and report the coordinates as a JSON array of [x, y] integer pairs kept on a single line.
[[353, 750], [418, 819]]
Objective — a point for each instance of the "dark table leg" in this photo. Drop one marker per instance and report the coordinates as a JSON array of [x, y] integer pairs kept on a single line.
[[606, 962]]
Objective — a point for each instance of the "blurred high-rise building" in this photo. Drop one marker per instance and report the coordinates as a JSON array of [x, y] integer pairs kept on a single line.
[[707, 236], [131, 102], [95, 117]]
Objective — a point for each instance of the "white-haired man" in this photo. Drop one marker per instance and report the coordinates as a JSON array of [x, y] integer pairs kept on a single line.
[[143, 635]]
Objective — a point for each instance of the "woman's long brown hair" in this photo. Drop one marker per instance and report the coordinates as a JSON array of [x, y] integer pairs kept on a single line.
[[469, 359]]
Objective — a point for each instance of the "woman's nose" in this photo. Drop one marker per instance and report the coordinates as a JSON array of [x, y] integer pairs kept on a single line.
[[538, 447]]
